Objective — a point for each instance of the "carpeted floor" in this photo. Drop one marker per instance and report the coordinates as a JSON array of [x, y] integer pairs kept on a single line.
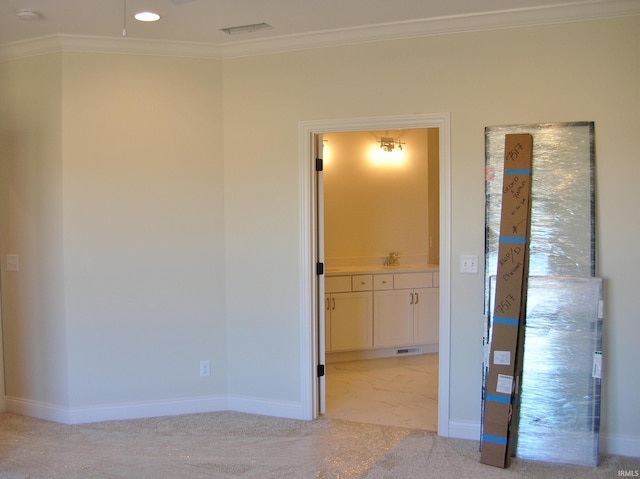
[[230, 445]]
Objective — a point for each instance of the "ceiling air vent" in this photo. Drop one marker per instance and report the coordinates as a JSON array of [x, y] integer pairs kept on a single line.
[[254, 27]]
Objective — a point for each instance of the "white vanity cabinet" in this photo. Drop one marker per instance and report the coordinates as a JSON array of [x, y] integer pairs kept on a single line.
[[373, 314], [407, 314], [348, 313]]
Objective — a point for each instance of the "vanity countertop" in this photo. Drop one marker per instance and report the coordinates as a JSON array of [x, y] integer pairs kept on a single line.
[[373, 269]]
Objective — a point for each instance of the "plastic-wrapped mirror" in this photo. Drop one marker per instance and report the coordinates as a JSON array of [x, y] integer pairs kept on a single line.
[[561, 377], [562, 201], [562, 258]]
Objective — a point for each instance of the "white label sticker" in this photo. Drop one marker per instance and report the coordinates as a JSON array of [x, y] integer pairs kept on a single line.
[[502, 357], [505, 384], [597, 365], [486, 354]]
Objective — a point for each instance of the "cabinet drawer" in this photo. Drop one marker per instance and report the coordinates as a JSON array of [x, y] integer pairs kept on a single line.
[[382, 282], [361, 282], [412, 280], [337, 284], [436, 279]]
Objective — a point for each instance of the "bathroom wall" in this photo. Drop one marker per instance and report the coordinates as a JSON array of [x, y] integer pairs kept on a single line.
[[376, 202]]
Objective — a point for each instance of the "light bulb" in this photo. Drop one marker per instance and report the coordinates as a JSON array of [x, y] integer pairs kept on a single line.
[[147, 17]]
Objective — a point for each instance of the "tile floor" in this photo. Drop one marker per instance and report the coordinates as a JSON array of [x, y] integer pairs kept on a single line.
[[398, 391]]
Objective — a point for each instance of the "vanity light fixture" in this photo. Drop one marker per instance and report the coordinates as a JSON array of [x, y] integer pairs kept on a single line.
[[387, 151], [388, 143], [147, 17]]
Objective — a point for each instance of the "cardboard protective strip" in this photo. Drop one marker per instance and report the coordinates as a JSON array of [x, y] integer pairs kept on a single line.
[[500, 416]]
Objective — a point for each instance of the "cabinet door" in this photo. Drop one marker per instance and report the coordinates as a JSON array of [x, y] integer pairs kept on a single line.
[[427, 313], [351, 321], [393, 318]]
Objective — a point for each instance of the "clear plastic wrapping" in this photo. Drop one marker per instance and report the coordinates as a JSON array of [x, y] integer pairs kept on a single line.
[[561, 378], [562, 198]]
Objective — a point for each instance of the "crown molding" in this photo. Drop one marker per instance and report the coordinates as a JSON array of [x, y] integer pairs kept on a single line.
[[548, 15], [29, 48], [121, 45], [556, 14], [139, 46]]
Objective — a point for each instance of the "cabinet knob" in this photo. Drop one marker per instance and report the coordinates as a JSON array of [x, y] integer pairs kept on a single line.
[[411, 298]]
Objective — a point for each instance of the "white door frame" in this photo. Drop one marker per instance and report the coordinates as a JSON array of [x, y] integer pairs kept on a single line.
[[3, 392], [308, 248]]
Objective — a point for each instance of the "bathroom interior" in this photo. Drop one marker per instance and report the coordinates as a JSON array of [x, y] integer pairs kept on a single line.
[[381, 243]]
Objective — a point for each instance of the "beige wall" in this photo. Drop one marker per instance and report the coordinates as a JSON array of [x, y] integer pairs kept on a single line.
[[374, 205], [138, 259], [115, 208], [581, 71], [144, 247], [33, 309]]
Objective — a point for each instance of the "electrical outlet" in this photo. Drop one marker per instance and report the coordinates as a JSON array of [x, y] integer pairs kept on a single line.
[[205, 368], [13, 263], [468, 264]]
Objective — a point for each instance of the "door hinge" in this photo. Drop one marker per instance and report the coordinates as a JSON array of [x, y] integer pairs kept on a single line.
[[319, 164], [319, 269], [320, 370]]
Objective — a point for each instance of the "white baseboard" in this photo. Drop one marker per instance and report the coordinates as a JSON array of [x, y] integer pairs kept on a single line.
[[265, 407], [114, 412], [464, 430], [620, 445], [40, 410], [139, 410]]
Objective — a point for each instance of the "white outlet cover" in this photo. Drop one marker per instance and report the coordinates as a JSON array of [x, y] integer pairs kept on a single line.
[[205, 368], [13, 263]]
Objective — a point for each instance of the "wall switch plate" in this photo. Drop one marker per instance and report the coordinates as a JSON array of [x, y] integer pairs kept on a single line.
[[205, 369], [468, 264]]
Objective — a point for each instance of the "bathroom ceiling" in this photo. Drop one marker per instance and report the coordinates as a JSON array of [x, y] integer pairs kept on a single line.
[[202, 20]]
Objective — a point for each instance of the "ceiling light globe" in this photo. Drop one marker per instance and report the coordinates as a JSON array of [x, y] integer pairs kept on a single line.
[[147, 17]]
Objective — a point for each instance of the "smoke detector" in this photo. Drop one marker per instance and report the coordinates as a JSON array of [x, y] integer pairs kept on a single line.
[[28, 14]]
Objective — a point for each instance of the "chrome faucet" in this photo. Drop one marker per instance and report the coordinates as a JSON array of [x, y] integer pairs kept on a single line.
[[393, 259]]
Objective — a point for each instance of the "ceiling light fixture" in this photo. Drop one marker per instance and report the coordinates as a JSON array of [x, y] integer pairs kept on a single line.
[[254, 27], [147, 17]]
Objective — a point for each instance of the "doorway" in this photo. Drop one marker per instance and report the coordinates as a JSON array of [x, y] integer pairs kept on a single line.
[[380, 196], [313, 294]]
